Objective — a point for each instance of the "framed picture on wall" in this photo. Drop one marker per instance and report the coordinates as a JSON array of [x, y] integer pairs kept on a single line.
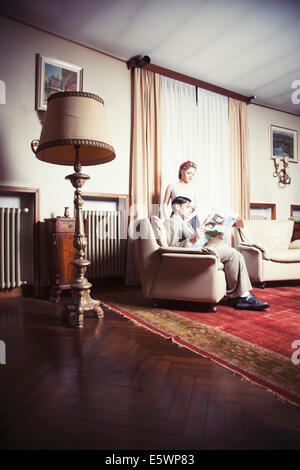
[[284, 143], [54, 75]]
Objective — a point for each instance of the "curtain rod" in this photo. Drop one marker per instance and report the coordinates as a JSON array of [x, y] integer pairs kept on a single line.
[[194, 81]]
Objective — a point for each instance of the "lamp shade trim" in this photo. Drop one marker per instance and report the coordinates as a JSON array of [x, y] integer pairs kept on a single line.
[[90, 143], [79, 94]]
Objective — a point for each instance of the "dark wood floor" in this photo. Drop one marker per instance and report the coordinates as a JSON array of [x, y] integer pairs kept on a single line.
[[115, 385]]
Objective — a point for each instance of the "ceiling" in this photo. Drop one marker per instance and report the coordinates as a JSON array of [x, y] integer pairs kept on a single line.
[[251, 47]]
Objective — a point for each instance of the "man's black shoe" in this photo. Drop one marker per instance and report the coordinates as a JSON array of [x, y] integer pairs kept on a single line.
[[250, 303]]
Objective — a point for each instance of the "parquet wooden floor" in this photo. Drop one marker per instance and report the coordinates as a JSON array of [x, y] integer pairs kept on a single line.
[[115, 385]]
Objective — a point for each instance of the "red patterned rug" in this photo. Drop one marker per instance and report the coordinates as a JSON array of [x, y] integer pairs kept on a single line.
[[263, 346]]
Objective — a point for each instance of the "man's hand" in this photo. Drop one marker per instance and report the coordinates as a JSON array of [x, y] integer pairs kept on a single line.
[[239, 223], [200, 234]]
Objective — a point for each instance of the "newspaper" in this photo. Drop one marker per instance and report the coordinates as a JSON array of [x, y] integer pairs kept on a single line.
[[218, 222]]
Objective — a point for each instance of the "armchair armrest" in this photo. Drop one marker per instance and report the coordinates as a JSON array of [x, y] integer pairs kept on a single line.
[[192, 261], [254, 261], [188, 251], [295, 245], [244, 246], [247, 247]]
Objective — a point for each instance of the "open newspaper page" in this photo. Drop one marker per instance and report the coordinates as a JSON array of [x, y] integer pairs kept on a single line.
[[218, 222]]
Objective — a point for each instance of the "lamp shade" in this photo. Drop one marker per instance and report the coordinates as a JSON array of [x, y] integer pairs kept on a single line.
[[75, 118]]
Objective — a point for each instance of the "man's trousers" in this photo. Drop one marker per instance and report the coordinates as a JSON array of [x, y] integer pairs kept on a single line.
[[236, 273]]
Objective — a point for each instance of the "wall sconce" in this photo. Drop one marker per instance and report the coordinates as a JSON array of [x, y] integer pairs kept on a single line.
[[283, 174]]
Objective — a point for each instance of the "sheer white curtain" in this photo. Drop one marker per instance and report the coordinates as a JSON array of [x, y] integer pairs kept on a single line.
[[213, 158], [179, 128], [197, 132]]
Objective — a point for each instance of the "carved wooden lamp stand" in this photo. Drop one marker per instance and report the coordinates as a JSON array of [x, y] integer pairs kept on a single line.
[[75, 132]]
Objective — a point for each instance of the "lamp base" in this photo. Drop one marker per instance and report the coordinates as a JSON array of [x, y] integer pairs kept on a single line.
[[82, 302], [81, 299]]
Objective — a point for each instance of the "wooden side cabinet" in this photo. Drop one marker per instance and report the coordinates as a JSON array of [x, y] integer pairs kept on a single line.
[[60, 237]]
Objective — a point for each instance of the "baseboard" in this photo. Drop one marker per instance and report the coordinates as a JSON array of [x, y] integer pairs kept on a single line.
[[16, 292]]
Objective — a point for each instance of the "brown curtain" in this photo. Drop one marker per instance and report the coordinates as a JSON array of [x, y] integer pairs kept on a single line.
[[146, 139], [239, 157], [146, 150]]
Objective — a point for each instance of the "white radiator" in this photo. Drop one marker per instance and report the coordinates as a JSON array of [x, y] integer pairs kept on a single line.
[[104, 248], [258, 217], [10, 265]]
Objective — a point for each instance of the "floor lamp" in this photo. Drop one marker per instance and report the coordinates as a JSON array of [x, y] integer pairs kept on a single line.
[[75, 132]]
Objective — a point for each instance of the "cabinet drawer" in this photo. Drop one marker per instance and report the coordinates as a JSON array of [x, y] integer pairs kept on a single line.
[[60, 225], [65, 226]]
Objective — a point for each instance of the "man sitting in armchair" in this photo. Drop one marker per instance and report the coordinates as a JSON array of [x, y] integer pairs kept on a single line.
[[181, 233]]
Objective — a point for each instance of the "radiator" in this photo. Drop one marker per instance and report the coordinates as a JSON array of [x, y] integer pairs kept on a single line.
[[104, 247], [258, 217], [10, 266]]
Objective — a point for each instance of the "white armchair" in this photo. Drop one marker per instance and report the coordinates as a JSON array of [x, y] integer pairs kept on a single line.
[[177, 273], [268, 251]]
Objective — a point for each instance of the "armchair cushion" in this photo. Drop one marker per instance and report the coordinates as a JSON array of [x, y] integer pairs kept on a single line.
[[287, 256]]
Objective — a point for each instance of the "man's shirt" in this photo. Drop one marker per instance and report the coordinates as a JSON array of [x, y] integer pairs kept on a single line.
[[179, 232]]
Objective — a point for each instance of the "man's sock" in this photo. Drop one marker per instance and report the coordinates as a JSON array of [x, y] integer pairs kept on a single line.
[[245, 294]]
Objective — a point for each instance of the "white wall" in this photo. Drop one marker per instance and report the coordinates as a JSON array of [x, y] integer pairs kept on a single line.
[[264, 187], [20, 123]]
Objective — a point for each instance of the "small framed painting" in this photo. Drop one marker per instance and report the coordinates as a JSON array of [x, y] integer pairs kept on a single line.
[[54, 75], [284, 143]]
